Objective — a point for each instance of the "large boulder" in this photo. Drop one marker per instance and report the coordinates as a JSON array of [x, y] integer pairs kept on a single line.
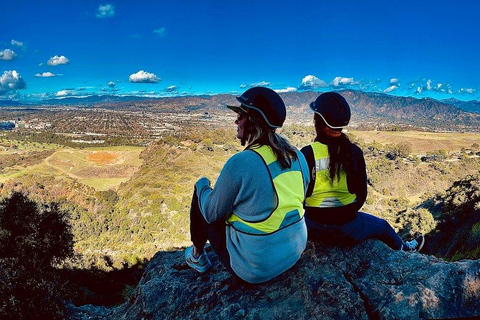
[[366, 281]]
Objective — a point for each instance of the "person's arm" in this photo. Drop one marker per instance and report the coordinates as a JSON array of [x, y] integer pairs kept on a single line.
[[305, 172], [358, 185], [307, 151], [217, 203]]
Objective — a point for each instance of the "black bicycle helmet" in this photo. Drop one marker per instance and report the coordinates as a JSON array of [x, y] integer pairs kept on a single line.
[[266, 102], [333, 108]]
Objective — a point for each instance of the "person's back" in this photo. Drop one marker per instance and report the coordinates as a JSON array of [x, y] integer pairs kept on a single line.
[[266, 233], [338, 187], [254, 216]]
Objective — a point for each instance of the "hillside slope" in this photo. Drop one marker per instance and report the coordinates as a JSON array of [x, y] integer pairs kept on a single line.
[[457, 212]]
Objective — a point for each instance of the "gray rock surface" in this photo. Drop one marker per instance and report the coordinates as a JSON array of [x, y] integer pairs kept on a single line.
[[368, 281]]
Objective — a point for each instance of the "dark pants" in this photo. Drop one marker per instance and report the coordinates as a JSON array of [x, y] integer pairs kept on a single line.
[[364, 226], [201, 231]]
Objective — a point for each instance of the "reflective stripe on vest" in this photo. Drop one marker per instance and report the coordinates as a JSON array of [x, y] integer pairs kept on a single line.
[[289, 191], [327, 194]]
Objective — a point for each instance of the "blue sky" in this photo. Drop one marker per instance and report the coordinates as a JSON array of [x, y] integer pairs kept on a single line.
[[163, 48]]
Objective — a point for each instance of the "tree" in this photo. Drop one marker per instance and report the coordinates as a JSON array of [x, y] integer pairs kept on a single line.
[[402, 149], [33, 240]]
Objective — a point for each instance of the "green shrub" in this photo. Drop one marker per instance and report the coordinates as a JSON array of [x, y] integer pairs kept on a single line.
[[476, 230], [32, 242]]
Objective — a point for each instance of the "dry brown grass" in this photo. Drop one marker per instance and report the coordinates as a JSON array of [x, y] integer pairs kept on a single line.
[[422, 141]]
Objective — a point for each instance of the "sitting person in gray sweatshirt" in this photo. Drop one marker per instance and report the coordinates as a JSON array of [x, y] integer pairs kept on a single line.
[[253, 217]]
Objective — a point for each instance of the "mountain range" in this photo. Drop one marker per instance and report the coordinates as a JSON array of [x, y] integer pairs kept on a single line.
[[469, 106], [451, 114]]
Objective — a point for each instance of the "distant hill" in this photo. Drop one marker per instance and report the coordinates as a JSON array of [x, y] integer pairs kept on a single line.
[[469, 106], [90, 100], [372, 108], [407, 110], [10, 103], [378, 107]]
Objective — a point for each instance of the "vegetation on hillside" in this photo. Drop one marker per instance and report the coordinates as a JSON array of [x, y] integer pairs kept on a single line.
[[115, 231], [39, 272], [33, 240], [120, 228], [457, 212]]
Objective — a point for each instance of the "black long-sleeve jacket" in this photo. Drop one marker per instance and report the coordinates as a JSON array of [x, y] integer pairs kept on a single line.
[[357, 184]]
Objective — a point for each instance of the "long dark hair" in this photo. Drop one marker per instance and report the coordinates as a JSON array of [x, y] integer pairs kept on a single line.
[[341, 150], [260, 133]]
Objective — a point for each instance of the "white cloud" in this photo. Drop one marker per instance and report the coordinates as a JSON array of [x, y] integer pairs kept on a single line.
[[57, 60], [260, 84], [370, 85], [311, 81], [171, 88], [161, 32], [288, 89], [64, 93], [394, 81], [243, 86], [429, 85], [340, 81], [45, 75], [143, 77], [7, 54], [467, 90], [11, 81], [423, 85], [111, 84], [390, 89], [105, 11], [16, 43]]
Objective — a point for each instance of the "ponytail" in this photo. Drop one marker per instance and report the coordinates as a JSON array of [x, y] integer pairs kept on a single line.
[[340, 150]]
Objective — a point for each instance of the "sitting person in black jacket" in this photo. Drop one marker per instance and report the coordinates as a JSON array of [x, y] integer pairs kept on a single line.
[[338, 184]]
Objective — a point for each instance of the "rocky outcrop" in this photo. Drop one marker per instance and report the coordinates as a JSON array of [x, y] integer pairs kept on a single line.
[[368, 281]]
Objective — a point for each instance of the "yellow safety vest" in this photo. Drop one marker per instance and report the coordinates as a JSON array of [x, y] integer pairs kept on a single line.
[[327, 194], [290, 193]]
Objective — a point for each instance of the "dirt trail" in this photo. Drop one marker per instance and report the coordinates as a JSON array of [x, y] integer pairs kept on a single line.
[[72, 175]]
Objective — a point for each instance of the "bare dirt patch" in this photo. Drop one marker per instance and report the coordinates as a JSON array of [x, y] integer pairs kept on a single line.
[[103, 158]]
